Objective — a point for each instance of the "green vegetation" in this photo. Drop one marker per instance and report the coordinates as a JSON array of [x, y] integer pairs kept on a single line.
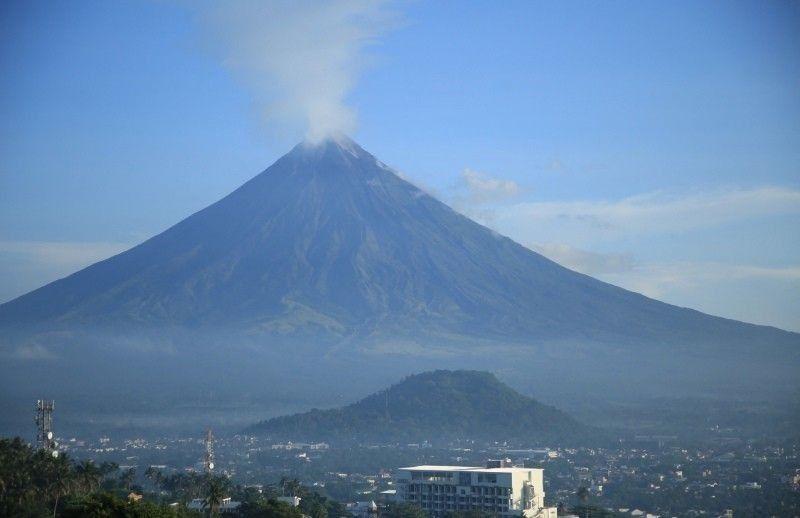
[[311, 503], [436, 406], [108, 504], [269, 509], [34, 483]]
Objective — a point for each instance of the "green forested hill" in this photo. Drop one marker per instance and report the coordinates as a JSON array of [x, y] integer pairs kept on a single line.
[[435, 406]]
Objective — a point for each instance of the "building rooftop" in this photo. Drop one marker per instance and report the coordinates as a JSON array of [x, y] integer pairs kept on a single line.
[[469, 468]]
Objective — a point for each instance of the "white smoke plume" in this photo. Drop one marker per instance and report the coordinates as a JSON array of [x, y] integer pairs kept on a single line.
[[300, 58]]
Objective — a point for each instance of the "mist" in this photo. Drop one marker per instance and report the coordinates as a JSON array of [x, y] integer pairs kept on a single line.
[[299, 59]]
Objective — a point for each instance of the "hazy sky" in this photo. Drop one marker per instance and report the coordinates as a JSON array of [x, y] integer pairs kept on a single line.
[[652, 145]]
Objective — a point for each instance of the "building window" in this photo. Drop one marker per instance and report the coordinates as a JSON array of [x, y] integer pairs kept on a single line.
[[490, 478]]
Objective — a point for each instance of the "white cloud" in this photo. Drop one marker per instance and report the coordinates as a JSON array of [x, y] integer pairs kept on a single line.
[[579, 234], [34, 352], [583, 222], [300, 58], [758, 294], [651, 277], [476, 195], [482, 188], [57, 253], [590, 263], [655, 279], [752, 283], [27, 265]]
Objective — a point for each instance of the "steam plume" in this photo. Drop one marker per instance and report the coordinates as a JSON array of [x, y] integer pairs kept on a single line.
[[300, 58]]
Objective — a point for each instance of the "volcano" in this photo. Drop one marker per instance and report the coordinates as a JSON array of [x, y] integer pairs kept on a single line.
[[331, 256]]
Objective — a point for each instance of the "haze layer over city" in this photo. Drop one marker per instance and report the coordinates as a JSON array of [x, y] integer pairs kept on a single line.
[[362, 258]]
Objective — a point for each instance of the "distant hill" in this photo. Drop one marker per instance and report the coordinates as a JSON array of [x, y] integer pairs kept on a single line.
[[435, 406]]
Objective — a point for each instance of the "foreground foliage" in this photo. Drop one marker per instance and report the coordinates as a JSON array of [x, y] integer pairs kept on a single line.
[[34, 483]]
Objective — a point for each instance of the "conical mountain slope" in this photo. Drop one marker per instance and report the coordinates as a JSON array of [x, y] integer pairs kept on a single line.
[[328, 241]]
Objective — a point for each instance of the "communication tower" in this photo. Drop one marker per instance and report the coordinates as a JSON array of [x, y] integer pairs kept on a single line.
[[209, 460], [44, 425]]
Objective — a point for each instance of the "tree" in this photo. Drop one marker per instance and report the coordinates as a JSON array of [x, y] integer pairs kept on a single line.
[[108, 474], [108, 468], [215, 493], [88, 476], [128, 477], [154, 476], [57, 475], [290, 486], [269, 509], [35, 483], [102, 505]]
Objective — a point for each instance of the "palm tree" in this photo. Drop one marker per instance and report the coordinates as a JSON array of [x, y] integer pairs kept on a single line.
[[106, 470], [215, 493], [56, 471], [26, 471], [291, 486], [88, 475], [272, 491], [154, 475], [128, 477]]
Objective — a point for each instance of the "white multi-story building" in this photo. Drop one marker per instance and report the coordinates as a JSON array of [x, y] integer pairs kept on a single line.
[[505, 491]]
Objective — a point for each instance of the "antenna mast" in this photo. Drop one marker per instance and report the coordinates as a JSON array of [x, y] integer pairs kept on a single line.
[[209, 460], [44, 425]]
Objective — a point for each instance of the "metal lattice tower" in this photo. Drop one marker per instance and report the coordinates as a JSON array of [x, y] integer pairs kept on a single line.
[[44, 425], [209, 460]]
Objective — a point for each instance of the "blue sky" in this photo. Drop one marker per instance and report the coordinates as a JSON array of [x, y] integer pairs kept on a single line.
[[652, 145]]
